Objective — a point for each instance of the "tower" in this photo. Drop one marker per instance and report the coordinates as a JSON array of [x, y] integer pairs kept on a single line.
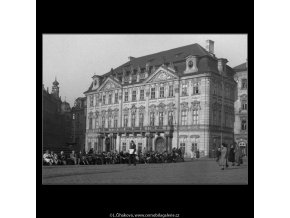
[[55, 88]]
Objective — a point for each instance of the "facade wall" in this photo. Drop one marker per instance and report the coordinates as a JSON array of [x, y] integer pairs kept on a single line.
[[189, 132], [241, 113]]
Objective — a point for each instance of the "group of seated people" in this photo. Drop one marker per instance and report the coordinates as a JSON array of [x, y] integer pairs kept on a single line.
[[113, 157]]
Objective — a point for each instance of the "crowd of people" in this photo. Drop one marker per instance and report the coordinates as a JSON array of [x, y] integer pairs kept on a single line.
[[229, 154], [224, 155], [112, 157]]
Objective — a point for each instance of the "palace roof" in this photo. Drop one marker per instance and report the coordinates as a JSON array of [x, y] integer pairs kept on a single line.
[[177, 56], [241, 67]]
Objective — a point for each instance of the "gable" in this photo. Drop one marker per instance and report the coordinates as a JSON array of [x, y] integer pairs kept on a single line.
[[109, 84], [161, 74]]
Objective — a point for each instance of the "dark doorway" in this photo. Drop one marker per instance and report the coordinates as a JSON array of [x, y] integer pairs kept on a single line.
[[107, 143], [160, 145]]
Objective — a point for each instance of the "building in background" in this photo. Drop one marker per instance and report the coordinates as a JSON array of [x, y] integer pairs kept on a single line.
[[241, 106], [56, 119], [79, 112], [183, 97]]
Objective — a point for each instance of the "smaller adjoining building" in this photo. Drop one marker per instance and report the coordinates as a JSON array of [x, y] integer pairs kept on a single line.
[[56, 120], [78, 112], [241, 106]]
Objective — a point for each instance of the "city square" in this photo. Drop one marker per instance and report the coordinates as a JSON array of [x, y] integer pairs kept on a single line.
[[202, 171], [170, 104]]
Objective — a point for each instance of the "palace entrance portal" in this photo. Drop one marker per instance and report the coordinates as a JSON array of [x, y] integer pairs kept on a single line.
[[160, 145], [107, 143]]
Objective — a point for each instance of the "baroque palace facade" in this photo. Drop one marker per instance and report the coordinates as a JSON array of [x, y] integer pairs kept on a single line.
[[183, 97], [241, 106]]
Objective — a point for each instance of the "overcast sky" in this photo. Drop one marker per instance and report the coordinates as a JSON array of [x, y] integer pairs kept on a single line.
[[74, 59]]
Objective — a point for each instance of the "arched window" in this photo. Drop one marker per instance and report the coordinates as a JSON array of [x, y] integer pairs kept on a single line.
[[183, 117], [244, 125]]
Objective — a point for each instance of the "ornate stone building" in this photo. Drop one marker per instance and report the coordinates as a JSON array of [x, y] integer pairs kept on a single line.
[[168, 99], [241, 106], [56, 119], [79, 113]]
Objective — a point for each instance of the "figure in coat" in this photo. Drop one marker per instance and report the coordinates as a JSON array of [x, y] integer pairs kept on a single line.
[[223, 157]]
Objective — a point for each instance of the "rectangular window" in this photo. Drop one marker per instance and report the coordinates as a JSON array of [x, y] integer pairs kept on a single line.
[[141, 119], [91, 101], [220, 117], [171, 91], [244, 105], [90, 123], [96, 101], [125, 120], [195, 117], [244, 125], [152, 93], [184, 90], [194, 147], [109, 122], [195, 89], [139, 147], [182, 146], [160, 118], [134, 96], [116, 98], [133, 119], [161, 94], [126, 96], [103, 122], [244, 83], [215, 118], [170, 118], [183, 117], [151, 118], [116, 121], [124, 146], [104, 99], [141, 95], [110, 99]]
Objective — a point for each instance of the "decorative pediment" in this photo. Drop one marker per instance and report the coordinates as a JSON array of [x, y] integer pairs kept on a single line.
[[161, 74], [109, 84], [184, 105], [133, 109], [126, 110], [171, 106], [141, 108], [244, 97], [195, 105]]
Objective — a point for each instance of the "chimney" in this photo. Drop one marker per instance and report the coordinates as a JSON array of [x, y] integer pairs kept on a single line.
[[222, 63], [123, 77], [147, 69], [210, 46], [131, 58], [138, 73]]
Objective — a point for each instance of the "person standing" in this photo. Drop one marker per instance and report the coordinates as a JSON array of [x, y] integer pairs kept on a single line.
[[232, 155], [238, 155], [223, 157], [218, 154], [132, 153]]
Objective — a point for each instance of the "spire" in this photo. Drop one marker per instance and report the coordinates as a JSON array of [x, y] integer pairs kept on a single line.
[[55, 83]]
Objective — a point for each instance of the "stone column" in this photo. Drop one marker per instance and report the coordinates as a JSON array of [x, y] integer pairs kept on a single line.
[[104, 145], [153, 141], [146, 114], [118, 143]]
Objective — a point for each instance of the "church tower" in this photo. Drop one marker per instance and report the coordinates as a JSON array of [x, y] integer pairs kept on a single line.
[[55, 88]]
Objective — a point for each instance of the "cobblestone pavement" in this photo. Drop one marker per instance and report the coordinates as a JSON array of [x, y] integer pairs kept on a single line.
[[202, 171]]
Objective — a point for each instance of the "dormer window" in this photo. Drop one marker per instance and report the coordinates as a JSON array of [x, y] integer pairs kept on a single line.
[[190, 64], [95, 83]]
